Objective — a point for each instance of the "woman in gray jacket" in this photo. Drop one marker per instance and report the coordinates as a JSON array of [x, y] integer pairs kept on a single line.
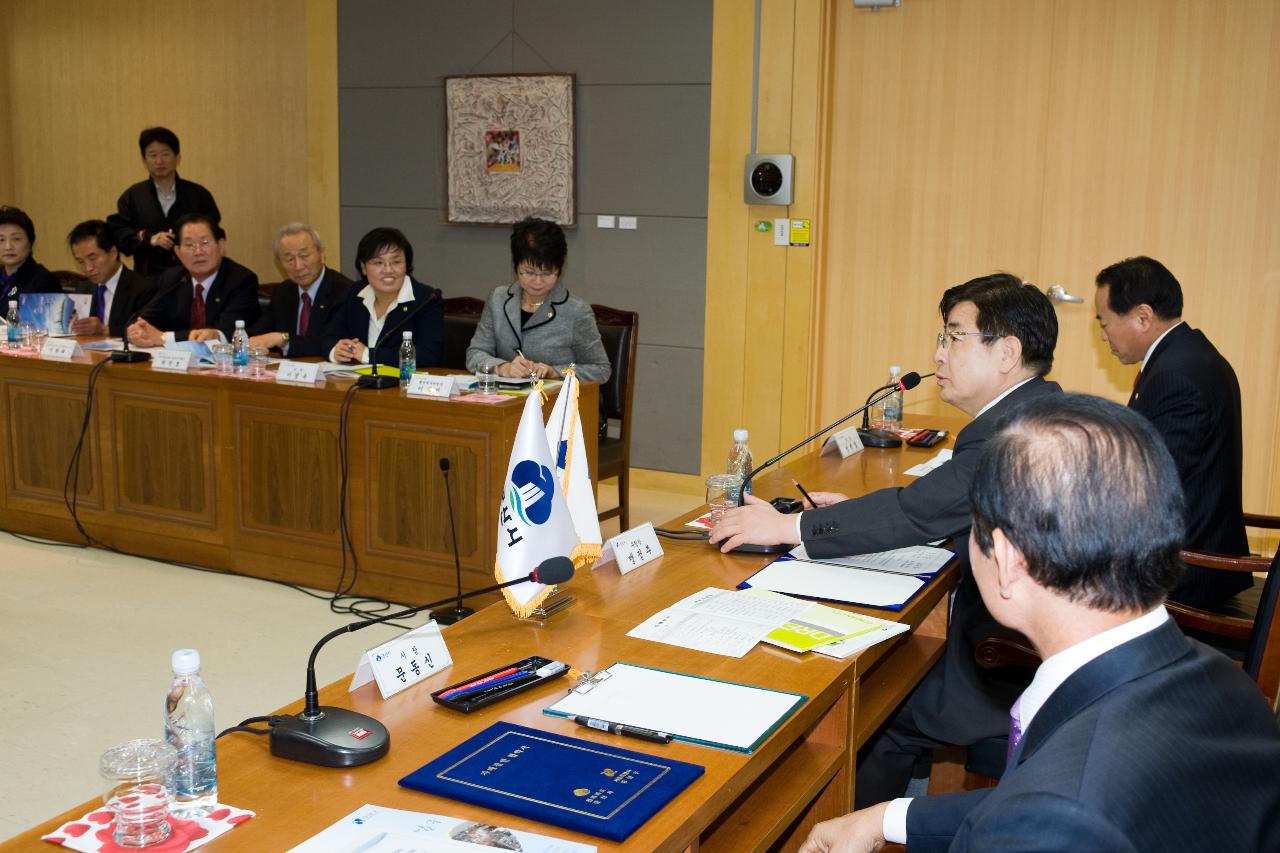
[[534, 325]]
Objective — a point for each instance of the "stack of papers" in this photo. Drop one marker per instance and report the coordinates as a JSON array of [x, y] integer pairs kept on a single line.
[[719, 621], [376, 828], [833, 632], [886, 579]]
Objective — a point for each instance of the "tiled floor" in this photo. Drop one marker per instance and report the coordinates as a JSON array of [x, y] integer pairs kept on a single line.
[[85, 642]]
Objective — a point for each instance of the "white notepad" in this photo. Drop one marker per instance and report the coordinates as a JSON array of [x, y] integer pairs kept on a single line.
[[722, 714]]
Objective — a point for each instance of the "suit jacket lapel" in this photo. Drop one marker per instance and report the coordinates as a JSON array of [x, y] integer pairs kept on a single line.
[[547, 312], [1125, 663]]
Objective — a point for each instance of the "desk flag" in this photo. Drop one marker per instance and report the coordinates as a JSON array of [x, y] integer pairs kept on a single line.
[[533, 519], [564, 435]]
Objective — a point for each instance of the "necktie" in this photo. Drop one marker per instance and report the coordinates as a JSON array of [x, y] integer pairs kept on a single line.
[[100, 303], [1133, 395], [304, 316], [1015, 726], [197, 308]]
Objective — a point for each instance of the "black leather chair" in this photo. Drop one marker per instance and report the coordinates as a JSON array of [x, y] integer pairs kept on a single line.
[[67, 280], [618, 331], [461, 316], [265, 289]]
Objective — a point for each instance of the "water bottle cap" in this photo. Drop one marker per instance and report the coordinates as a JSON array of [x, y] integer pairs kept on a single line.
[[239, 324], [408, 336], [186, 662], [13, 303], [895, 370], [739, 435]]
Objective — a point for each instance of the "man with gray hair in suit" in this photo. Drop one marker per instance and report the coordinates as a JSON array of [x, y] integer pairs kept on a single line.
[[301, 305]]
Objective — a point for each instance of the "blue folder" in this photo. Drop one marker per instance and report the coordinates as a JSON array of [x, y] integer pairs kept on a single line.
[[576, 784]]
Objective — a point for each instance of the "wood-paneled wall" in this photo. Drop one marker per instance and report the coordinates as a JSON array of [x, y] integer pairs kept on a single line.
[[1047, 138], [250, 88]]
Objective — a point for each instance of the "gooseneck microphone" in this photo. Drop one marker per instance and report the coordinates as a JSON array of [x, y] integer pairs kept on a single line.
[[906, 383], [450, 615], [374, 380], [337, 737]]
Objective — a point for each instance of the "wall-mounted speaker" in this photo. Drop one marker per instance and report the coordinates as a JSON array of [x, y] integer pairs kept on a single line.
[[768, 179]]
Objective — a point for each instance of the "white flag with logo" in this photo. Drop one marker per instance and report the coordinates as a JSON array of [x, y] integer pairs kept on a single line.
[[564, 436], [533, 520]]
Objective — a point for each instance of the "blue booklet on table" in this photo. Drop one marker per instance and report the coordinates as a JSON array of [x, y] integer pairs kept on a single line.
[[576, 784]]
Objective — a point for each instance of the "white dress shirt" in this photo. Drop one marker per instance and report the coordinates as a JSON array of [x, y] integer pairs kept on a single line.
[[109, 295], [366, 295]]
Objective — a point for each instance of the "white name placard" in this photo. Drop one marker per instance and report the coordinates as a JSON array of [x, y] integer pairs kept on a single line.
[[846, 442], [60, 349], [177, 360], [426, 385], [298, 371], [404, 661], [632, 548]]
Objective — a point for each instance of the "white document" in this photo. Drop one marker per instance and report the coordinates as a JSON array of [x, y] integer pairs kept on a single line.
[[912, 560], [701, 710], [718, 621], [837, 583], [923, 468], [376, 828]]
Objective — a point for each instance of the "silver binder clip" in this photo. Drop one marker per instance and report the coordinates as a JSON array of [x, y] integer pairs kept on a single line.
[[588, 681]]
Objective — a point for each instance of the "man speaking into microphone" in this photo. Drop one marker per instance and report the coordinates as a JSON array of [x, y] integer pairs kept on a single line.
[[995, 347]]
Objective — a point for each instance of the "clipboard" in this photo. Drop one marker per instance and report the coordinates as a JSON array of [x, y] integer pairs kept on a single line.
[[721, 714]]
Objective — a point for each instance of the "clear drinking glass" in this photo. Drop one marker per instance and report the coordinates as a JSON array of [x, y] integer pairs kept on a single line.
[[719, 488], [135, 788], [258, 359], [486, 382], [221, 356]]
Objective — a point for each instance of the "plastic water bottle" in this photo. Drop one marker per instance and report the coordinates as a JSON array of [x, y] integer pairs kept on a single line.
[[188, 726], [240, 348], [408, 359], [893, 403], [739, 463], [12, 319]]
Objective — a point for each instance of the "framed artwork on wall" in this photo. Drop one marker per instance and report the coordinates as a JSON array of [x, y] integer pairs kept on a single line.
[[509, 148]]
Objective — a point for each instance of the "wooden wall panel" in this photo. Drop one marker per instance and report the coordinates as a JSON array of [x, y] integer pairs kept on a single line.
[[164, 450], [289, 483], [43, 428], [230, 78], [1050, 138]]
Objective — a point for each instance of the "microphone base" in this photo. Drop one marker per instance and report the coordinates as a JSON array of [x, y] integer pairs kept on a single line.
[[378, 381], [879, 438], [130, 356], [340, 738], [451, 615]]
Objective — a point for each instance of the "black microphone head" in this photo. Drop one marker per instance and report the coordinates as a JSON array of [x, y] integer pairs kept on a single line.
[[553, 570], [909, 381], [444, 462]]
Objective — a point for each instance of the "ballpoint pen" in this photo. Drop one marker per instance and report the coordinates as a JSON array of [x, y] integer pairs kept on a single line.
[[623, 729], [807, 496]]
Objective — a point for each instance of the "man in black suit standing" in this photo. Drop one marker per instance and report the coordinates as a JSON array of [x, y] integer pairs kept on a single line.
[[301, 305], [1130, 736], [147, 213], [202, 299], [995, 347], [118, 292], [1191, 395]]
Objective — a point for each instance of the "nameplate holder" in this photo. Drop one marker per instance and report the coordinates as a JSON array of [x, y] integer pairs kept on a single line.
[[174, 360], [61, 349], [298, 371], [632, 548], [846, 442], [404, 661], [426, 385]]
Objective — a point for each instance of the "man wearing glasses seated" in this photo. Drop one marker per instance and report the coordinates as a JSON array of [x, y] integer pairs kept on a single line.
[[993, 352]]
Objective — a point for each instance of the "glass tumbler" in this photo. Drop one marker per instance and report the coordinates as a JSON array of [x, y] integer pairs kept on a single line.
[[258, 359], [222, 356], [486, 382], [135, 789], [719, 489]]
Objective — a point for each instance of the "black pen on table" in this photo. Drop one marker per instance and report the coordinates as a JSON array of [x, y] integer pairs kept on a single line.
[[807, 496], [623, 729]]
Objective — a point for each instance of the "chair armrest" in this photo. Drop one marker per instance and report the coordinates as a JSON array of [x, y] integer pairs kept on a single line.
[[1271, 522], [1225, 563], [1218, 624], [1000, 651]]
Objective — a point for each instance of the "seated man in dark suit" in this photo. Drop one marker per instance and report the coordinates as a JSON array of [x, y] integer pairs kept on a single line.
[[1131, 736], [118, 292], [301, 306], [1191, 395], [996, 345], [147, 214], [202, 299]]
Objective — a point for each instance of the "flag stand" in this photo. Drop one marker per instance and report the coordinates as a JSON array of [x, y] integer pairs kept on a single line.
[[555, 601]]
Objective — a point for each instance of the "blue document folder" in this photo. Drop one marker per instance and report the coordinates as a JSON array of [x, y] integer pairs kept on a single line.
[[576, 784]]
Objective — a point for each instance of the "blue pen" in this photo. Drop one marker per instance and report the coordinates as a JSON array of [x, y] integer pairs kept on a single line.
[[513, 676]]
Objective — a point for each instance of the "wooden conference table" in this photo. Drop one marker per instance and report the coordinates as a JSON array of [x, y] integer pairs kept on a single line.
[[768, 800], [245, 475]]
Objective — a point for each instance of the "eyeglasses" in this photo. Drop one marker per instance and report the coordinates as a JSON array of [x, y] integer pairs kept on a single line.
[[949, 336], [190, 246], [544, 275]]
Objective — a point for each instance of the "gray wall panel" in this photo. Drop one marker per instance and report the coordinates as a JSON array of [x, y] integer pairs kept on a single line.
[[643, 110], [412, 43], [666, 425], [619, 41], [643, 149], [391, 144]]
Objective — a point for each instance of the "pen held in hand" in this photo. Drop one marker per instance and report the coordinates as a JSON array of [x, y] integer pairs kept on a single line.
[[807, 496]]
